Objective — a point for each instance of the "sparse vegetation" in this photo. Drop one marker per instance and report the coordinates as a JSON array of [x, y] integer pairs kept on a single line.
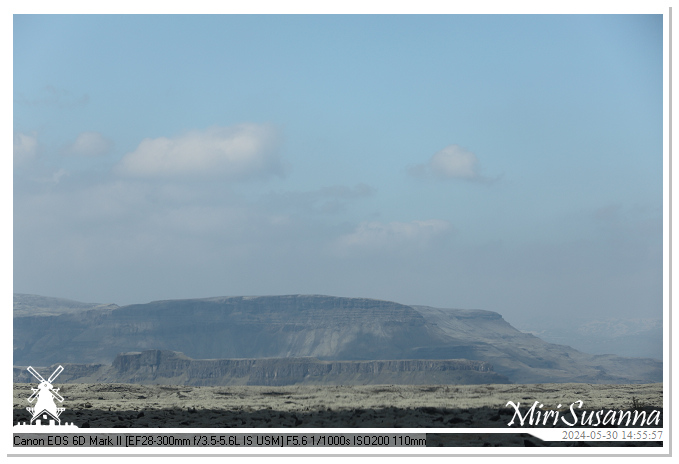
[[637, 403]]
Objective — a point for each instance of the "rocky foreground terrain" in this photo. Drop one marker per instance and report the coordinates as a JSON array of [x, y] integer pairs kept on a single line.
[[296, 407]]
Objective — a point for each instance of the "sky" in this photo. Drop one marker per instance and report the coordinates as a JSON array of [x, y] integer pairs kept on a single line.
[[503, 162]]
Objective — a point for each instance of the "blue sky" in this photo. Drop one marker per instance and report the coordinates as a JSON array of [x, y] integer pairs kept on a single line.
[[509, 163]]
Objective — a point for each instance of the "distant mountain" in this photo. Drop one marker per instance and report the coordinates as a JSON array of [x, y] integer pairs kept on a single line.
[[36, 305], [636, 337], [322, 327]]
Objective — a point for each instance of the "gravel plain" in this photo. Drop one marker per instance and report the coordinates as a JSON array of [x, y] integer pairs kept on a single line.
[[374, 406]]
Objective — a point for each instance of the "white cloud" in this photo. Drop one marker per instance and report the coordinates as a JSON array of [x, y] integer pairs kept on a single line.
[[376, 236], [58, 174], [25, 147], [243, 151], [453, 162], [89, 144]]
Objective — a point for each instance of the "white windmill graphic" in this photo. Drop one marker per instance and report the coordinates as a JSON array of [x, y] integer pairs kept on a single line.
[[46, 393]]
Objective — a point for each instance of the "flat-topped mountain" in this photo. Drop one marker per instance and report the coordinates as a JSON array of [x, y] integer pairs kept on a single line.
[[36, 305], [323, 327]]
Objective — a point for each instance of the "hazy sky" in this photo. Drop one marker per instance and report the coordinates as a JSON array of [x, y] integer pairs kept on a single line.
[[508, 163]]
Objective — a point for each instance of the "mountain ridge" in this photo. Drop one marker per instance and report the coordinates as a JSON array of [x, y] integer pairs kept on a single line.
[[323, 327]]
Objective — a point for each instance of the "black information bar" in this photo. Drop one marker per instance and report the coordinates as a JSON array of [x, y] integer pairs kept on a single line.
[[164, 440]]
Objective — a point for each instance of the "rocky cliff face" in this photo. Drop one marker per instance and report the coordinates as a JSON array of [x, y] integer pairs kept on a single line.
[[238, 327], [167, 367], [322, 327]]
